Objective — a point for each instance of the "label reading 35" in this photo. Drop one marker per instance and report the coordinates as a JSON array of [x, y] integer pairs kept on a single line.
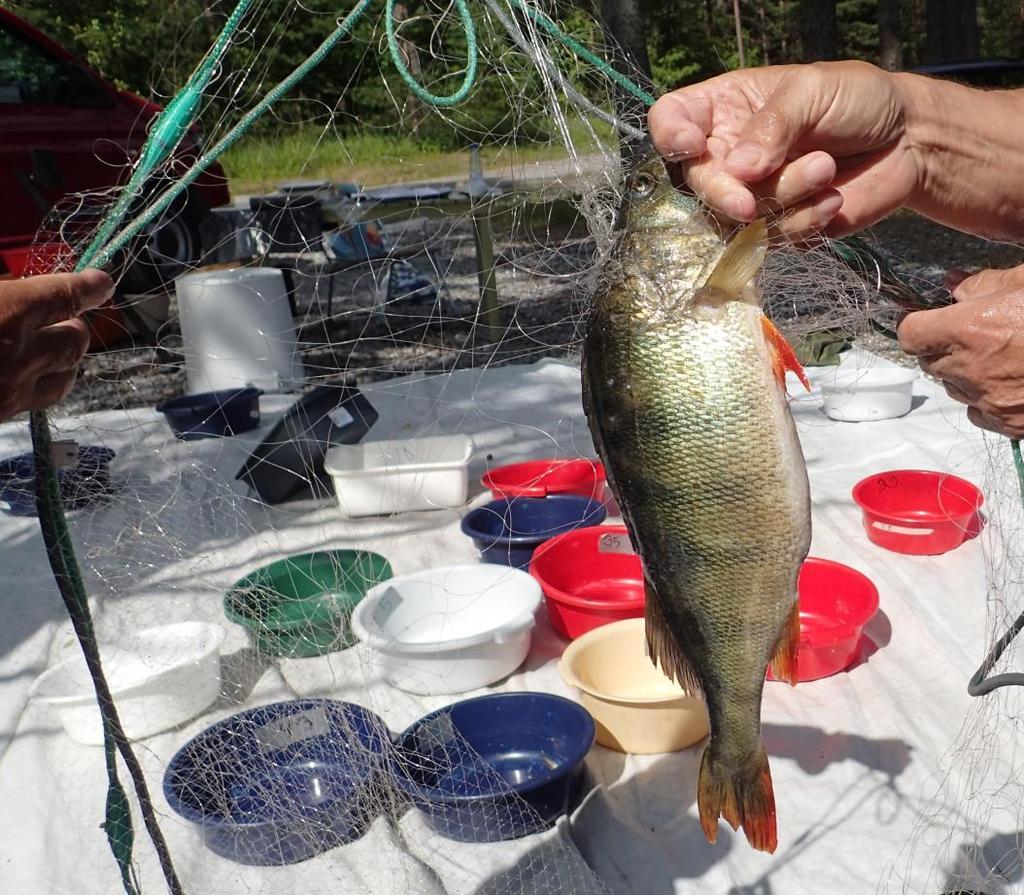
[[614, 542]]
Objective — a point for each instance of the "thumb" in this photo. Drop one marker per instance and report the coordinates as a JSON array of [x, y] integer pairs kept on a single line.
[[763, 144]]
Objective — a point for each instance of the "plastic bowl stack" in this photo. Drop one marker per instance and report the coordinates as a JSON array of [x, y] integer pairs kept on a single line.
[[159, 678], [510, 531], [543, 478], [495, 767], [918, 511], [451, 629], [300, 606], [636, 708], [590, 577], [281, 783]]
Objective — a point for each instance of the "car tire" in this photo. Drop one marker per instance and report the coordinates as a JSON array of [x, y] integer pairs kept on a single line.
[[172, 246]]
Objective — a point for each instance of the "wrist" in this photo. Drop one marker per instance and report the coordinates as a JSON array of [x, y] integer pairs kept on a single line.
[[969, 171]]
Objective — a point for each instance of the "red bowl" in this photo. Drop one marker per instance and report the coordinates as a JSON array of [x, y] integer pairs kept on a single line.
[[835, 604], [590, 577], [539, 478], [918, 511]]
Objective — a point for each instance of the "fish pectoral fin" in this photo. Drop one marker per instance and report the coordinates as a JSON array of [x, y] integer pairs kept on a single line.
[[741, 260], [743, 796], [663, 649], [784, 664], [783, 355]]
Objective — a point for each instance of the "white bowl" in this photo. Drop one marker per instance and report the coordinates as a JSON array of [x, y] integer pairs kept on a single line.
[[451, 629], [878, 393], [381, 477], [159, 678]]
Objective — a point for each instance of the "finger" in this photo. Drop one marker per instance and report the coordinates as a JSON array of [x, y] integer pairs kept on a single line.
[[40, 301], [51, 389], [679, 123], [954, 277], [799, 180], [766, 139], [809, 220], [955, 392], [721, 191], [985, 282], [58, 347], [928, 332]]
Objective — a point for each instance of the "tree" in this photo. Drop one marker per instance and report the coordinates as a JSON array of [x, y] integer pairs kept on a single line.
[[951, 29], [819, 32], [890, 35]]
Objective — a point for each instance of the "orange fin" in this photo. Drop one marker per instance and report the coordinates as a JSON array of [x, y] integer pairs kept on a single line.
[[784, 666], [743, 797], [664, 650], [783, 355]]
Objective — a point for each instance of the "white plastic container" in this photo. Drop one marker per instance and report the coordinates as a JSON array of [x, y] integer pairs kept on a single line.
[[381, 477], [451, 629], [237, 330], [879, 393], [159, 678]]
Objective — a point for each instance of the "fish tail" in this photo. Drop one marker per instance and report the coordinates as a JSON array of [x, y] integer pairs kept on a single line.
[[743, 796]]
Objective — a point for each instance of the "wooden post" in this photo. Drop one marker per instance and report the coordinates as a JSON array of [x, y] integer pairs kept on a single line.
[[739, 32], [488, 314]]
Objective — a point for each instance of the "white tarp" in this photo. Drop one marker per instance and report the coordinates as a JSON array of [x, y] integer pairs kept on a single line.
[[854, 757]]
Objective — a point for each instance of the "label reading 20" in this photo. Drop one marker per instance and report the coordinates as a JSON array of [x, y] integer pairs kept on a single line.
[[614, 543]]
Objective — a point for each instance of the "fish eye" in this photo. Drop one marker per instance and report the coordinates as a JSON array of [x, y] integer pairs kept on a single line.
[[643, 185]]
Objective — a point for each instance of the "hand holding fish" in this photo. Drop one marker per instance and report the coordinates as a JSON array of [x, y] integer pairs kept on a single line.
[[976, 348], [838, 146]]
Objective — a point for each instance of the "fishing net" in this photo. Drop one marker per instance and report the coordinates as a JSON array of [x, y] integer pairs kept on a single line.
[[221, 574]]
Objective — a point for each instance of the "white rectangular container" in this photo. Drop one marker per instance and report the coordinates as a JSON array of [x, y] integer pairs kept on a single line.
[[382, 477]]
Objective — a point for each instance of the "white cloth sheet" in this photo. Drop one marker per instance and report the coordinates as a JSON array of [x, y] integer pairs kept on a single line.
[[851, 755]]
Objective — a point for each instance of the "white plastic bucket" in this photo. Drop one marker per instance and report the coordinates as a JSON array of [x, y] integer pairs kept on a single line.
[[381, 477], [237, 330], [878, 393], [159, 678], [451, 629]]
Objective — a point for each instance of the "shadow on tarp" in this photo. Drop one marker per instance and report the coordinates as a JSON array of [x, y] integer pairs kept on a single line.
[[988, 868]]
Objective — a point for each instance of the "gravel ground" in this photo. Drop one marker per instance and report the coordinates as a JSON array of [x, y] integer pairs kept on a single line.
[[541, 289]]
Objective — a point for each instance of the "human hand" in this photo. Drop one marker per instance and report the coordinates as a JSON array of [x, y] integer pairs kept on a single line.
[[825, 143], [976, 347], [42, 336]]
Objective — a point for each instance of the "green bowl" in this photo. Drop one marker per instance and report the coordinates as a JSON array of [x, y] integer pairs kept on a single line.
[[299, 606]]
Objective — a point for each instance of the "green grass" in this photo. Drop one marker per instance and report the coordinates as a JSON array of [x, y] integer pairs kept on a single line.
[[260, 163]]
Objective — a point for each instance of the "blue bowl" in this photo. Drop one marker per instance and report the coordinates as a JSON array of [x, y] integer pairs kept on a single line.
[[213, 414], [508, 531], [283, 782], [80, 485], [495, 767]]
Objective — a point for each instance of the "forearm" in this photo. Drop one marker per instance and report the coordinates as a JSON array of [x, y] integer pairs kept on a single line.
[[970, 149]]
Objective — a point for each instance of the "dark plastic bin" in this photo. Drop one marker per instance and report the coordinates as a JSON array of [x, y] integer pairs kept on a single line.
[[213, 414], [289, 463]]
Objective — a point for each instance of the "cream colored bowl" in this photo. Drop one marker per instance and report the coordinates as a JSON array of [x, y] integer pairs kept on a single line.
[[635, 707]]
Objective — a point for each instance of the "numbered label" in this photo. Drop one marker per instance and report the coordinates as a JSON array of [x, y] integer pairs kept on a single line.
[[389, 601], [887, 482], [614, 543], [284, 732], [341, 417], [436, 732]]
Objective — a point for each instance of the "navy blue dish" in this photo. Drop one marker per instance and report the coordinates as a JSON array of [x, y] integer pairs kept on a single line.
[[507, 531], [213, 414], [80, 485], [281, 783], [494, 767]]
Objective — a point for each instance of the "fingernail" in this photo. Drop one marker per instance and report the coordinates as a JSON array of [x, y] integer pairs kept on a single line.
[[681, 146], [820, 170], [735, 205], [746, 155], [828, 206]]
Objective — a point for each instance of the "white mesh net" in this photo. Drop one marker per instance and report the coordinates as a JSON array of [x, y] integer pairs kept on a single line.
[[283, 751]]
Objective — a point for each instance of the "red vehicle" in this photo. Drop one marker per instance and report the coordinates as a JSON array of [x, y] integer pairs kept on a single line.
[[64, 130]]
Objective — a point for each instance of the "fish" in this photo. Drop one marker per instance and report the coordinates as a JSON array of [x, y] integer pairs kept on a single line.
[[683, 387]]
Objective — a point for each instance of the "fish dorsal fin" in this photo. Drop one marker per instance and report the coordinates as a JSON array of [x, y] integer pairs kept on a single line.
[[742, 259]]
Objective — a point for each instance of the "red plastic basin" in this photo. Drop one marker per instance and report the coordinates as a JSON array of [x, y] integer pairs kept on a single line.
[[539, 478], [588, 581], [918, 511], [835, 604]]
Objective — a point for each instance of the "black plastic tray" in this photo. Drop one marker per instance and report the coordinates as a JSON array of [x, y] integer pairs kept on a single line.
[[289, 463]]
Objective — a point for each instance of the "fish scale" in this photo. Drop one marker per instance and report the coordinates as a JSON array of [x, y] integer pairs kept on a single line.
[[683, 396]]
